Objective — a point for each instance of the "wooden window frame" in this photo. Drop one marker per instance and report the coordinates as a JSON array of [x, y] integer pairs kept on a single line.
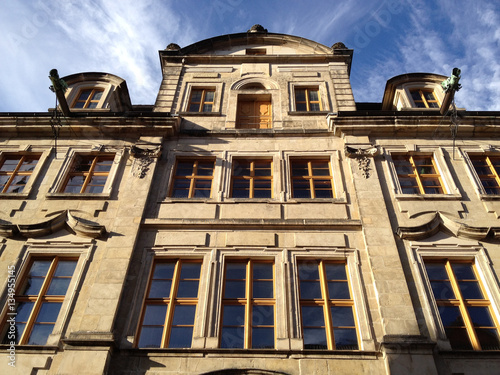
[[422, 99], [248, 302], [203, 100], [193, 178], [42, 296], [493, 175], [87, 102], [461, 302], [261, 121], [16, 172], [307, 101], [326, 302], [252, 177], [420, 176], [310, 177], [90, 173], [172, 301]]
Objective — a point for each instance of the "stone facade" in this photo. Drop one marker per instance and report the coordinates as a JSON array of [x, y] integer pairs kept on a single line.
[[254, 157]]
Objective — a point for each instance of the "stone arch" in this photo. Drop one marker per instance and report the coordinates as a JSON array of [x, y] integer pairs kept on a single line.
[[255, 82]]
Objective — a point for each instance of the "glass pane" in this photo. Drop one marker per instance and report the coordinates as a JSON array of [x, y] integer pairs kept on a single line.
[[36, 277], [190, 270], [236, 271], [320, 168], [155, 315], [308, 271], [463, 271], [342, 316], [23, 311], [40, 268], [345, 339], [262, 192], [180, 337], [313, 95], [241, 167], [164, 270], [234, 315], [196, 95], [470, 290], [65, 268], [263, 315], [299, 169], [480, 316], [450, 316], [263, 289], [59, 286], [300, 95], [312, 316], [262, 338], [310, 290], [97, 95], [442, 290], [234, 289], [184, 315], [335, 271], [301, 189], [207, 108], [205, 168], [315, 338], [33, 286], [40, 333], [323, 189], [188, 289], [48, 312], [209, 96], [263, 271], [184, 168], [232, 337], [84, 94], [160, 289], [301, 106], [10, 164], [488, 338], [338, 290], [150, 337], [436, 271], [459, 339], [181, 189]]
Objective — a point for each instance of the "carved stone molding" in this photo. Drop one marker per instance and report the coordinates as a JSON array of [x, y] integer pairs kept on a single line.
[[66, 219], [441, 222], [143, 158], [363, 157]]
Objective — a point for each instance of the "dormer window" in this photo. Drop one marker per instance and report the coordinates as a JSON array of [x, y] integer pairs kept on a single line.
[[424, 98], [88, 98]]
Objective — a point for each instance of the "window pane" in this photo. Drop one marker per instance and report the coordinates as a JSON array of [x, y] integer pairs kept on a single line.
[[262, 337], [312, 316], [345, 339], [470, 290], [310, 290], [263, 289], [335, 271], [190, 270], [436, 271], [48, 312], [459, 339], [263, 271], [10, 164], [488, 338], [44, 323], [463, 271], [301, 189], [338, 290], [300, 95], [160, 289], [234, 315], [308, 271], [342, 316], [188, 289], [314, 338], [58, 286], [263, 315], [450, 316], [155, 315], [40, 333], [232, 337], [36, 277], [480, 316], [164, 270], [180, 337], [234, 289], [236, 270], [184, 168], [184, 315], [181, 189], [150, 337], [442, 290]]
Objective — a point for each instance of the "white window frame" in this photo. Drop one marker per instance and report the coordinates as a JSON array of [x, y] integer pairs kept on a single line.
[[60, 180], [426, 86], [89, 85], [437, 154], [44, 154]]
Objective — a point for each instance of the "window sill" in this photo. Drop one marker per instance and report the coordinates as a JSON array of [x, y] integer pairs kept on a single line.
[[188, 200], [316, 200], [428, 197], [489, 197], [14, 195], [251, 200], [184, 114], [78, 196], [308, 113]]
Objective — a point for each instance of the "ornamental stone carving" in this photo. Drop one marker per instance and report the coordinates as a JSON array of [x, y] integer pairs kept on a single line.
[[363, 156]]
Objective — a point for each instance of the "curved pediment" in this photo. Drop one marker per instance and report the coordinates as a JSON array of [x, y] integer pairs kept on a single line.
[[440, 222], [67, 219]]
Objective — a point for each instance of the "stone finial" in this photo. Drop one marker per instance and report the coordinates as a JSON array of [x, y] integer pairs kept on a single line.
[[339, 45], [257, 29], [173, 47]]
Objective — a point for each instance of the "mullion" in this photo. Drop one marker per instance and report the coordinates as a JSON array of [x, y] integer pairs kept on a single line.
[[493, 170]]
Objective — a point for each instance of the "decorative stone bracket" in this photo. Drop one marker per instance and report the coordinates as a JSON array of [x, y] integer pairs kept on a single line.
[[64, 219], [363, 157], [143, 158], [441, 222]]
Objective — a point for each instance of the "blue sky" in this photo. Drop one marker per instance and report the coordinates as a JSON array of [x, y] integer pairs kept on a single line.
[[388, 37]]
